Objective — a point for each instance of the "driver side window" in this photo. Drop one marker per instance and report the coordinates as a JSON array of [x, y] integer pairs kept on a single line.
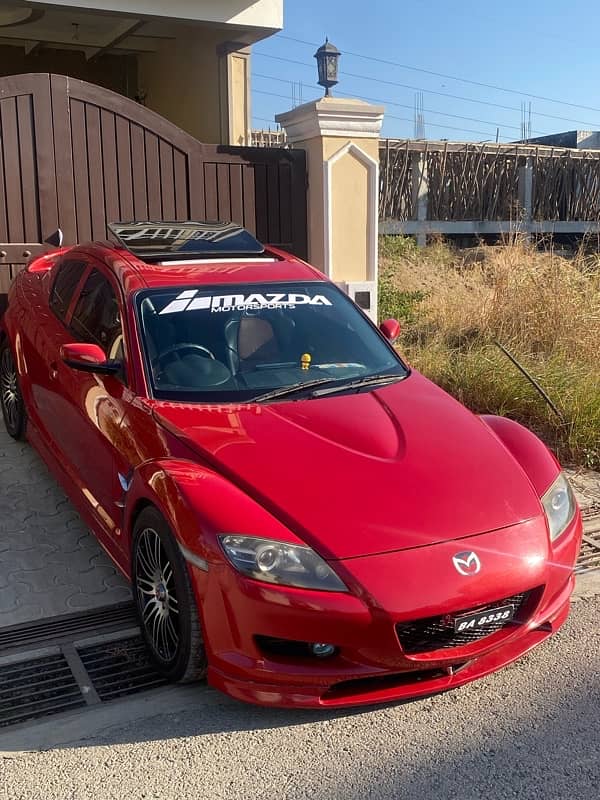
[[97, 318], [69, 273]]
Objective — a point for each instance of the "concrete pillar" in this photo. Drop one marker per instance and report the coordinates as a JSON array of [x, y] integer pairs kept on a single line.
[[420, 192], [526, 196], [234, 93], [341, 140]]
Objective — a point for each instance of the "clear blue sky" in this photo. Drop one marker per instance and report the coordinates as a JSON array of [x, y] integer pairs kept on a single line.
[[544, 49]]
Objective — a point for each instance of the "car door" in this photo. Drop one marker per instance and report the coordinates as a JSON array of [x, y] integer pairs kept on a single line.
[[44, 331], [93, 405]]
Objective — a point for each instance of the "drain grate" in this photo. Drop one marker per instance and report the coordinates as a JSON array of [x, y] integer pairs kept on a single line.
[[85, 659], [589, 556], [37, 688], [67, 627], [120, 668]]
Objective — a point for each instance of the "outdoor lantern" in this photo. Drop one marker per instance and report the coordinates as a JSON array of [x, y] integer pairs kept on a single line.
[[327, 61]]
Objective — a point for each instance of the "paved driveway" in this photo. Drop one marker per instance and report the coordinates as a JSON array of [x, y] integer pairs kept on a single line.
[[529, 732], [49, 562]]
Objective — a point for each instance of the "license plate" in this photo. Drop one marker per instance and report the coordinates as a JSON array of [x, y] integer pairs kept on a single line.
[[491, 616]]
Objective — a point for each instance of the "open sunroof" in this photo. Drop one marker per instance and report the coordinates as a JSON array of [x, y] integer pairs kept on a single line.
[[168, 241]]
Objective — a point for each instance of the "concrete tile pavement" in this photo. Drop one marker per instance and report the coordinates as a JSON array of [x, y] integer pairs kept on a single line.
[[586, 485], [49, 562]]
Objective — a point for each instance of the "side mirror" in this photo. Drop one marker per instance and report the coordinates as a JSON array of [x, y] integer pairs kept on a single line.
[[390, 329], [88, 358]]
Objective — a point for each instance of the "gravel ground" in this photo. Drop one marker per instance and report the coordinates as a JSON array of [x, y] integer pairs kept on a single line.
[[530, 731]]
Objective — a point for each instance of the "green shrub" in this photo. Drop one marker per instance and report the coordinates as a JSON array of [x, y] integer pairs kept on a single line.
[[397, 247], [395, 303], [544, 308]]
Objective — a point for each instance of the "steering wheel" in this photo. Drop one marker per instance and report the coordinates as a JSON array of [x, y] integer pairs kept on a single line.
[[183, 346]]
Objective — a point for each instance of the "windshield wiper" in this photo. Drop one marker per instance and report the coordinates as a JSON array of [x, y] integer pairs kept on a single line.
[[292, 389], [330, 386], [358, 383]]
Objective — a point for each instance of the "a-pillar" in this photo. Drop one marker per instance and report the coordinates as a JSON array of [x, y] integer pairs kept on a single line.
[[341, 140]]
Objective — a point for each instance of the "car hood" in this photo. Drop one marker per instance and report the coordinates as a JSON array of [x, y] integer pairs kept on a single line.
[[399, 467]]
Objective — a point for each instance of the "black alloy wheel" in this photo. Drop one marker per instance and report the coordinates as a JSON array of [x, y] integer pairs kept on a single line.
[[11, 399], [164, 600]]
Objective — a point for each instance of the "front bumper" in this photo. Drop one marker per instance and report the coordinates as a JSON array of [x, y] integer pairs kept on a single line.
[[387, 590]]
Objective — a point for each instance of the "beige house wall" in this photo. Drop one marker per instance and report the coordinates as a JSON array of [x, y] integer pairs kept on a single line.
[[349, 251], [181, 82], [188, 60], [202, 84], [115, 72], [350, 209], [315, 215], [239, 99], [349, 206], [341, 140]]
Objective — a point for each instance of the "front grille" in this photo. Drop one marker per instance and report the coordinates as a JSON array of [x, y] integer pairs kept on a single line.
[[437, 633]]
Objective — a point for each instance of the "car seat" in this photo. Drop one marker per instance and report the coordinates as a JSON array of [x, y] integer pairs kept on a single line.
[[250, 340]]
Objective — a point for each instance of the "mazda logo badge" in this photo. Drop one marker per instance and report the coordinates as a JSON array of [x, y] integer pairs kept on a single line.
[[467, 562]]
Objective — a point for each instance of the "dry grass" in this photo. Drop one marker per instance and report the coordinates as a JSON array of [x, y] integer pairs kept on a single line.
[[544, 307]]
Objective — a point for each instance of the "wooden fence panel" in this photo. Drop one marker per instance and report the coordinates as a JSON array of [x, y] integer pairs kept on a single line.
[[77, 156]]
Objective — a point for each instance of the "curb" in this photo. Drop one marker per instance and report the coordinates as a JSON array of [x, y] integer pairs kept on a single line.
[[587, 585]]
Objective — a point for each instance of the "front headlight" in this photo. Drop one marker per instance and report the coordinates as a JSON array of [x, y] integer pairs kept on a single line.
[[280, 562], [559, 505]]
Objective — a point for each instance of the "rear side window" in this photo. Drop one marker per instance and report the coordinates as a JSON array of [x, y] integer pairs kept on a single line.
[[96, 318], [65, 283]]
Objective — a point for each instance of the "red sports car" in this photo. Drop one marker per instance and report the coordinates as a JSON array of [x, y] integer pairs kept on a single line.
[[304, 518]]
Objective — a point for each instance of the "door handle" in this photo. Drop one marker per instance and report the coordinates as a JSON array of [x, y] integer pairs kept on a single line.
[[53, 370]]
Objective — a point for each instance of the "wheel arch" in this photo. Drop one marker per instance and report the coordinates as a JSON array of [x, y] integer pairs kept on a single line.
[[536, 459], [198, 504], [154, 486], [140, 505]]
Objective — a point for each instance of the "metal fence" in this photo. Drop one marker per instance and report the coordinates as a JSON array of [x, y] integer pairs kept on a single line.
[[468, 188]]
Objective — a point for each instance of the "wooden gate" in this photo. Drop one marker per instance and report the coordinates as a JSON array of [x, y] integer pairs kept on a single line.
[[77, 156]]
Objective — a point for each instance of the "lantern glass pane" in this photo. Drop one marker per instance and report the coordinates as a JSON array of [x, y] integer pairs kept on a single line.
[[332, 67]]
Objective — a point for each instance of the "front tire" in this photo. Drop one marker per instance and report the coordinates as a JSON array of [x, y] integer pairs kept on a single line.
[[11, 399], [164, 600]]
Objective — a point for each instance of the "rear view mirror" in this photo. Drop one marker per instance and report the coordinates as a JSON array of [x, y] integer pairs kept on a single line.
[[390, 329], [88, 358]]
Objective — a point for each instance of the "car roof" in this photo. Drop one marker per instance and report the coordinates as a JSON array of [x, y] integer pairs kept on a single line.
[[134, 274], [248, 262]]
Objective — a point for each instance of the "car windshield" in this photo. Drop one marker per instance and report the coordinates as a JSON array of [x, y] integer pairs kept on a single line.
[[241, 343]]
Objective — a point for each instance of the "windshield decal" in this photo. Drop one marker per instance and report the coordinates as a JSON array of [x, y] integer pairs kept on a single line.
[[188, 301]]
